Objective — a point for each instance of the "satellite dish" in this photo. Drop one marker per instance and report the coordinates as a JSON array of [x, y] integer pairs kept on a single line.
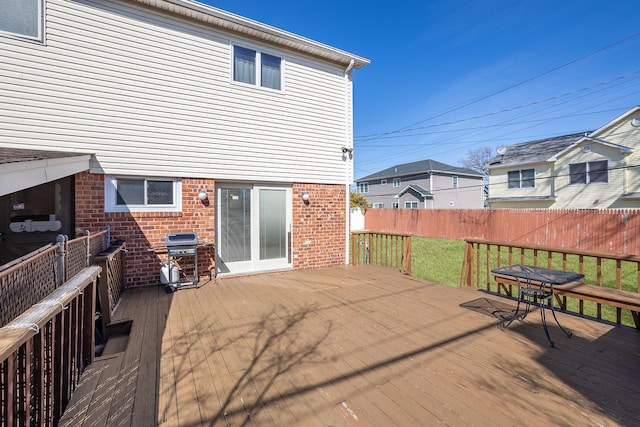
[[501, 150], [635, 122]]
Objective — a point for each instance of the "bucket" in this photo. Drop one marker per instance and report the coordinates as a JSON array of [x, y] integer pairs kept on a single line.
[[165, 278]]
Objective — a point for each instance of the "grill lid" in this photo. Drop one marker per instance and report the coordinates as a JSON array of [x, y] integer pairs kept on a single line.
[[181, 239]]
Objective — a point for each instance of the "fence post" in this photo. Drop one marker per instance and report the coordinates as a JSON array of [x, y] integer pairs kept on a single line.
[[61, 240], [87, 261]]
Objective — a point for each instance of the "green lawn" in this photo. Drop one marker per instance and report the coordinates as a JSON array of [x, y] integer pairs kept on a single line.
[[437, 260], [440, 261]]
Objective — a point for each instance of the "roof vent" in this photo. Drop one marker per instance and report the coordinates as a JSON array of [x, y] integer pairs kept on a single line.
[[635, 122], [586, 148]]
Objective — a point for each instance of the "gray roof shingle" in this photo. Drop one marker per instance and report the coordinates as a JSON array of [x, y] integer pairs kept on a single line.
[[535, 151], [420, 167], [15, 155]]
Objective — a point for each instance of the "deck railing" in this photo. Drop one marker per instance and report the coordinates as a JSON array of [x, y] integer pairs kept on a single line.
[[44, 351], [111, 284], [384, 249], [600, 269], [27, 280]]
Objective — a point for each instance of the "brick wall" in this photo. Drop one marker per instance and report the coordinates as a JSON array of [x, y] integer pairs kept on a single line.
[[144, 230], [319, 225]]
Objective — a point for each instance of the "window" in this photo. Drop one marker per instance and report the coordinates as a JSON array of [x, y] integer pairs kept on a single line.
[[383, 182], [363, 187], [21, 18], [378, 205], [394, 205], [454, 182], [135, 194], [247, 61], [411, 205], [396, 182], [590, 172], [525, 178]]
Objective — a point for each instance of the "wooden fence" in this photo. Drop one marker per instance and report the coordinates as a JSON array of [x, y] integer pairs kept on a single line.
[[605, 270], [385, 249], [609, 230]]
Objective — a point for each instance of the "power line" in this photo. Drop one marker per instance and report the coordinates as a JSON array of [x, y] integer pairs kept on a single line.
[[365, 138], [609, 46]]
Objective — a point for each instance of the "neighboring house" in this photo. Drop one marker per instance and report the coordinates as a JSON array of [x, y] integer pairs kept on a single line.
[[426, 184], [173, 116], [592, 170]]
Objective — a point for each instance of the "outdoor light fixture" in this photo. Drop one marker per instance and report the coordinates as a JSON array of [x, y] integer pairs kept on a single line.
[[305, 197], [202, 194]]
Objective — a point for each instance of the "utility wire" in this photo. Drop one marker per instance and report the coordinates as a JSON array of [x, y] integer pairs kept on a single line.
[[595, 52], [365, 138]]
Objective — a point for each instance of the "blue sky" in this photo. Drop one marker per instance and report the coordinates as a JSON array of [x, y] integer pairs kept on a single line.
[[453, 75]]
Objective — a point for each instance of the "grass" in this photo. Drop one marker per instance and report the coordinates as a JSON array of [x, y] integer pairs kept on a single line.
[[437, 260], [440, 261]]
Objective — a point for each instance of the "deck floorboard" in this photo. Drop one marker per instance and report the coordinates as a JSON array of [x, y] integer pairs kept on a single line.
[[353, 346]]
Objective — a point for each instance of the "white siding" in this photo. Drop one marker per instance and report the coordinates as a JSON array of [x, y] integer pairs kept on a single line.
[[152, 95], [594, 195]]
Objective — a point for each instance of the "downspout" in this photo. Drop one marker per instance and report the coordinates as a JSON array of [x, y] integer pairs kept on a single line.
[[348, 121], [431, 190]]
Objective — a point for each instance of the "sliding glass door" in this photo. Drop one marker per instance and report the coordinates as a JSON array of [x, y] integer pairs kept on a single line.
[[254, 228]]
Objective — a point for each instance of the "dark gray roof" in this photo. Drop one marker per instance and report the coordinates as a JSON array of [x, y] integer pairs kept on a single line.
[[417, 168], [15, 155], [535, 151]]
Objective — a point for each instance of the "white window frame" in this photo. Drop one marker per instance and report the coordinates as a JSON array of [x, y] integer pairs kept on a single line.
[[395, 205], [378, 205], [363, 186], [411, 205], [454, 182], [41, 21], [258, 68], [111, 194], [397, 182]]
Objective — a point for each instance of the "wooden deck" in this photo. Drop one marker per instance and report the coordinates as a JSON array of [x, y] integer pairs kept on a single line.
[[353, 346]]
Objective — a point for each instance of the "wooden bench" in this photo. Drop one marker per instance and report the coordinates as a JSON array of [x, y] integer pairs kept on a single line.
[[586, 292]]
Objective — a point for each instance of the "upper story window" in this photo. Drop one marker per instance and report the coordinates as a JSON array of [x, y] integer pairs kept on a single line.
[[525, 178], [378, 205], [411, 205], [135, 194], [246, 62], [396, 182], [363, 187], [21, 18], [589, 172], [383, 182], [394, 205], [454, 182]]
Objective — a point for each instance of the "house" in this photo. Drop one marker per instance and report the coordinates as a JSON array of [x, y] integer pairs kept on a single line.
[[591, 170], [154, 117], [425, 184]]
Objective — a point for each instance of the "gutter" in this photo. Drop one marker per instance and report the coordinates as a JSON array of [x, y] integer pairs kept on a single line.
[[227, 21]]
